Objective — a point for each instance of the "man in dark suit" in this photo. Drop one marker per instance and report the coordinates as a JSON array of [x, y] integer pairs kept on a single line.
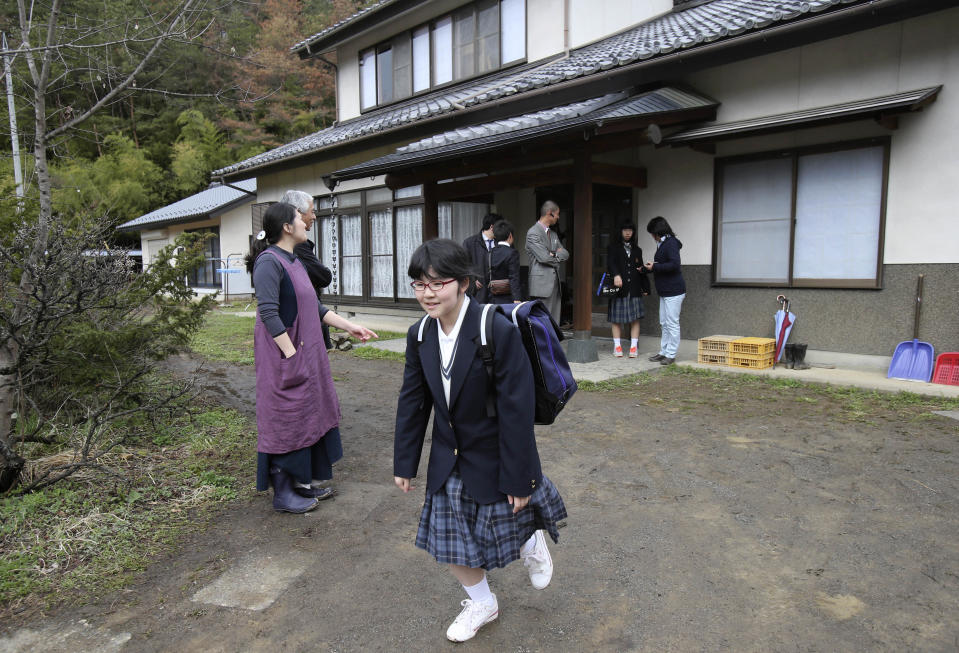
[[320, 275], [478, 246]]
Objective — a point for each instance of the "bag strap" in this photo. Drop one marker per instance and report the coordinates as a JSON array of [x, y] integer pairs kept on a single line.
[[514, 315], [487, 350], [419, 334]]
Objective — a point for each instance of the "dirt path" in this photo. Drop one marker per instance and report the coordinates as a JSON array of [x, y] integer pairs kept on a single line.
[[704, 516]]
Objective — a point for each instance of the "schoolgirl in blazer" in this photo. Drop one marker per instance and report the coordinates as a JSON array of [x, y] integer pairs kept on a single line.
[[487, 501], [492, 467]]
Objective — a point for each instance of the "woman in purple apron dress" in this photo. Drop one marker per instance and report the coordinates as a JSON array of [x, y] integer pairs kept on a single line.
[[297, 410]]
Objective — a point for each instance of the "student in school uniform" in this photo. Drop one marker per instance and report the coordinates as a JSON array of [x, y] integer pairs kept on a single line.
[[504, 284], [487, 500], [624, 259]]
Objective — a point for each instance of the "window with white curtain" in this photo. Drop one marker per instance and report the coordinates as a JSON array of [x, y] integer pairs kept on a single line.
[[367, 79], [421, 59], [512, 30], [755, 219], [442, 58], [457, 220], [838, 214], [810, 217], [328, 235], [381, 253], [351, 234], [409, 236], [475, 39], [367, 237]]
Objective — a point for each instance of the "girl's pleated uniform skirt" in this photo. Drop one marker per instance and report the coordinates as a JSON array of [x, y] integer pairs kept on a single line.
[[457, 530]]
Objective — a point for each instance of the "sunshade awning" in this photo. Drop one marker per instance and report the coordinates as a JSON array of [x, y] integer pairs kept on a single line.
[[884, 105], [599, 113]]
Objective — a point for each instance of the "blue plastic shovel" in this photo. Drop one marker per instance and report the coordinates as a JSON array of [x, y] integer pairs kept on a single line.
[[913, 359]]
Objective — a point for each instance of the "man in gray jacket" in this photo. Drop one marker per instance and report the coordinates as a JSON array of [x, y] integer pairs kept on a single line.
[[545, 255]]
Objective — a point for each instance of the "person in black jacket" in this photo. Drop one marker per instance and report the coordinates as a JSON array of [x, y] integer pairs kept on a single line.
[[504, 265], [670, 286], [478, 246], [320, 275], [487, 501], [624, 261]]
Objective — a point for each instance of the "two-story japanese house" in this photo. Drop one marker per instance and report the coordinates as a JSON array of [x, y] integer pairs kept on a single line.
[[797, 147]]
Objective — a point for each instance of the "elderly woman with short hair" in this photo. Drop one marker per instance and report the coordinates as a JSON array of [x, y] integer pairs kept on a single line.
[[320, 275]]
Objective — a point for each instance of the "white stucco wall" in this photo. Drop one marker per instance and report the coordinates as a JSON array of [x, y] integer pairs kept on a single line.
[[235, 227], [590, 20], [924, 154]]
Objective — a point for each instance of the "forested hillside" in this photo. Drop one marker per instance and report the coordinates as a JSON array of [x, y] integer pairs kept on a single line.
[[196, 105]]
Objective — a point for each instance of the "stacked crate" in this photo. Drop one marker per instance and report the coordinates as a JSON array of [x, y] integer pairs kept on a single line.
[[752, 353], [715, 350]]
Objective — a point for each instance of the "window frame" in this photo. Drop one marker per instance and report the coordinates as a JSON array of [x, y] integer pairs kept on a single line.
[[210, 263], [429, 26], [794, 154], [365, 208]]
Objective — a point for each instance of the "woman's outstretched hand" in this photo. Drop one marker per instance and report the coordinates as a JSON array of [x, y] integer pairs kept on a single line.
[[360, 332]]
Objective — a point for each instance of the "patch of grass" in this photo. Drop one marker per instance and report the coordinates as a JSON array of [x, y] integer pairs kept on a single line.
[[383, 335], [372, 353], [618, 383], [229, 337], [238, 305], [851, 403], [225, 337], [91, 533]]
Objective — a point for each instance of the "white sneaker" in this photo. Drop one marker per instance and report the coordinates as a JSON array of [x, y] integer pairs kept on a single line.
[[539, 563], [474, 616]]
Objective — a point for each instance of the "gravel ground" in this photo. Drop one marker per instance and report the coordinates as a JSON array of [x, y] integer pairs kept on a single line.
[[704, 514]]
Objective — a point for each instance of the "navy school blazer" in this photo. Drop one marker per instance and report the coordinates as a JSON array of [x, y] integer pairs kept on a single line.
[[495, 456]]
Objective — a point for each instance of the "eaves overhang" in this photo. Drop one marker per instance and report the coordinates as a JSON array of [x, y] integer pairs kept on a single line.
[[580, 119], [876, 108]]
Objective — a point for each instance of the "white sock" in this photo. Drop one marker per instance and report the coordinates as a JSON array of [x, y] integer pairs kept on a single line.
[[480, 591], [616, 342], [303, 485], [317, 482], [528, 546], [633, 343]]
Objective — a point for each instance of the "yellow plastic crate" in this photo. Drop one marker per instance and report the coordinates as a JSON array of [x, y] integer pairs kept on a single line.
[[717, 343], [713, 357], [753, 346], [752, 361]]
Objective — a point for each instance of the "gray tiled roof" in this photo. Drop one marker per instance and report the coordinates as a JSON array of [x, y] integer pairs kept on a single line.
[[510, 126], [594, 111], [683, 29], [203, 203], [343, 23]]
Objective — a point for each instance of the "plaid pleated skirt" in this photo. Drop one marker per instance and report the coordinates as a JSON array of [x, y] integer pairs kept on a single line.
[[622, 310], [457, 530]]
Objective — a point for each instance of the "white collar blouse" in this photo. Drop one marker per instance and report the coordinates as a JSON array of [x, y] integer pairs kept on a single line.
[[447, 345]]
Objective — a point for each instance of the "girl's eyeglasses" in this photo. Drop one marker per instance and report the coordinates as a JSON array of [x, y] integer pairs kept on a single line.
[[435, 286]]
